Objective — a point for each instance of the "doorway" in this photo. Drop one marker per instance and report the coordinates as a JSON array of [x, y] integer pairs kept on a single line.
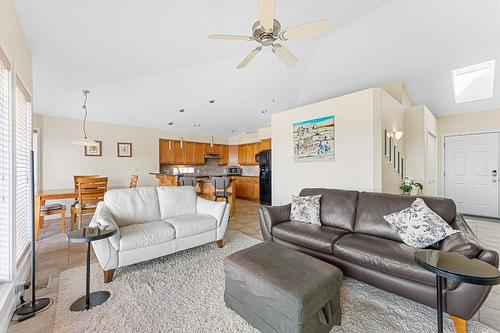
[[471, 173]]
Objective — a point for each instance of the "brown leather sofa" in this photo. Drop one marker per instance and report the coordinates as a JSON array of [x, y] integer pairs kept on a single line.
[[355, 237]]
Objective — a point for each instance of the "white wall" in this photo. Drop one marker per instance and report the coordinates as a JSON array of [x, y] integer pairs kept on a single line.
[[61, 160], [477, 122], [392, 119], [260, 134], [353, 167]]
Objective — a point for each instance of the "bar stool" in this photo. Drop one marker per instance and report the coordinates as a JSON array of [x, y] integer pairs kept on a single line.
[[54, 209], [220, 188], [189, 181]]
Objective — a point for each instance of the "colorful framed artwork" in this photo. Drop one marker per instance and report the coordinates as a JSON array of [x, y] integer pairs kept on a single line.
[[94, 150], [314, 139], [124, 149]]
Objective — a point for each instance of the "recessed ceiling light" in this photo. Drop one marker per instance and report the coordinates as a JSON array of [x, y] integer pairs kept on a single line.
[[196, 125], [181, 110], [474, 82], [233, 131], [211, 101], [263, 111], [170, 123]]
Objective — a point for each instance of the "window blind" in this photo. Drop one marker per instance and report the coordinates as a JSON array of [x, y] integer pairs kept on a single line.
[[23, 166], [36, 159], [5, 110]]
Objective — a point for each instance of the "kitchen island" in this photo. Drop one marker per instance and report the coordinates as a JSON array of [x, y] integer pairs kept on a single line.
[[204, 186]]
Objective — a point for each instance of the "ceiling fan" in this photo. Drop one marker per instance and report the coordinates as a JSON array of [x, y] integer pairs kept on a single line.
[[267, 31]]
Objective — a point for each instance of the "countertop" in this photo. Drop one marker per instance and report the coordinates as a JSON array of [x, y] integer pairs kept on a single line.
[[199, 175]]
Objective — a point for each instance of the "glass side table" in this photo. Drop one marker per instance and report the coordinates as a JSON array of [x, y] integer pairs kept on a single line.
[[88, 235], [454, 266]]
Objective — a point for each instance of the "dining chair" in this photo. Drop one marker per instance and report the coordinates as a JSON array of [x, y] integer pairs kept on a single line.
[[220, 188], [90, 192], [75, 182], [133, 181], [54, 209]]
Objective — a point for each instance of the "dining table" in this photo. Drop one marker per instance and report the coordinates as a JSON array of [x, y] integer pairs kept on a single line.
[[45, 195]]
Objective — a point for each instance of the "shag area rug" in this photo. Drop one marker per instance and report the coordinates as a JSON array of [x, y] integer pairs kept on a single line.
[[184, 292]]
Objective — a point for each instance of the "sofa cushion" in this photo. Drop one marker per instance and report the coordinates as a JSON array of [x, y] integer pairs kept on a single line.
[[383, 255], [133, 205], [312, 236], [372, 207], [176, 200], [192, 224], [337, 207], [145, 234]]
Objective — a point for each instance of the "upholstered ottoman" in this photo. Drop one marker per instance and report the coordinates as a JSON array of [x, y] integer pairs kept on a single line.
[[276, 289]]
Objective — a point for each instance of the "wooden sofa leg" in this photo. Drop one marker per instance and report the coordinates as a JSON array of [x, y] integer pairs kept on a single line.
[[460, 324], [108, 275], [220, 244]]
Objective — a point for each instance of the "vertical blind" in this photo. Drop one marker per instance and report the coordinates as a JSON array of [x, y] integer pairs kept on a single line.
[[23, 166], [5, 225]]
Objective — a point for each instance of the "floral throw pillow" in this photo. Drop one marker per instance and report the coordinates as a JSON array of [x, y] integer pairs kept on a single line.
[[418, 226], [305, 209]]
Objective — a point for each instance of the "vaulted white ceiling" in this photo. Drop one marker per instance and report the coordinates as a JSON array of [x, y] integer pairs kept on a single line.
[[143, 60]]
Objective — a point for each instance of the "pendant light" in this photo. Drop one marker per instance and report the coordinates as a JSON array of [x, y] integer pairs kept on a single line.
[[181, 111], [170, 135], [85, 141], [212, 141]]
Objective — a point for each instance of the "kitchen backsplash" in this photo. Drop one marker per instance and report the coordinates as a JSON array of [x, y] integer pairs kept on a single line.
[[212, 168]]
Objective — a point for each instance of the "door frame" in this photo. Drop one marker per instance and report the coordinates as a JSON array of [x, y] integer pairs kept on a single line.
[[442, 159]]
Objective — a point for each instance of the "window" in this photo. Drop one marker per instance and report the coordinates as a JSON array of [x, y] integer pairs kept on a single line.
[[36, 158], [23, 166], [5, 109], [474, 82]]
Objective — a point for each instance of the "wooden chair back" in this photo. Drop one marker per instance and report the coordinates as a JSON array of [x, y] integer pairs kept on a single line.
[[75, 179], [133, 181], [91, 191]]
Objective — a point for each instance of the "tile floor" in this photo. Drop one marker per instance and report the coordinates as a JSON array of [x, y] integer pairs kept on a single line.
[[55, 255]]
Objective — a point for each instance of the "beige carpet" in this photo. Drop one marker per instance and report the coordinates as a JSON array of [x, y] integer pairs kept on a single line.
[[184, 293]]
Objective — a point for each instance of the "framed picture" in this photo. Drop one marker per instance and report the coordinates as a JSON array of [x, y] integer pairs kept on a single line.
[[124, 149], [314, 139], [94, 150]]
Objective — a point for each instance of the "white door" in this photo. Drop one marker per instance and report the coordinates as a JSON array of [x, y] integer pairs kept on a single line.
[[430, 166], [471, 173]]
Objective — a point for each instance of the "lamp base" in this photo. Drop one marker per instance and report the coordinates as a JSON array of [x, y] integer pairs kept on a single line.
[[29, 307]]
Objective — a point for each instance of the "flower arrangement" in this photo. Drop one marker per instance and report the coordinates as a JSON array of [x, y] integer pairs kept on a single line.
[[408, 185]]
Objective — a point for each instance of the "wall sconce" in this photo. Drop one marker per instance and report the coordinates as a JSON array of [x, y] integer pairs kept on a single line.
[[395, 135]]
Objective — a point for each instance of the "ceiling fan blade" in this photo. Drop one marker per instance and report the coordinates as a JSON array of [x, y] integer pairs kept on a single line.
[[266, 11], [306, 30], [284, 55], [230, 37], [249, 57]]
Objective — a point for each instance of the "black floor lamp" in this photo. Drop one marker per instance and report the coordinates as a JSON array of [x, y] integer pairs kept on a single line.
[[35, 304]]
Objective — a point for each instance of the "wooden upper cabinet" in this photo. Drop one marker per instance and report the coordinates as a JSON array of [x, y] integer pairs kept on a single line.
[[189, 151], [179, 153], [224, 155], [242, 154], [251, 151], [199, 153], [233, 154], [211, 150], [265, 144], [166, 154]]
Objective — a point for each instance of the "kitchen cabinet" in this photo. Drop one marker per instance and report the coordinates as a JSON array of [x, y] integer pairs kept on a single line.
[[179, 152], [246, 153], [233, 154], [224, 155], [247, 188], [166, 152], [265, 144], [195, 153], [242, 154]]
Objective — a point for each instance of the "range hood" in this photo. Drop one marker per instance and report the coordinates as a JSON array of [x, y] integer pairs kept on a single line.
[[212, 156]]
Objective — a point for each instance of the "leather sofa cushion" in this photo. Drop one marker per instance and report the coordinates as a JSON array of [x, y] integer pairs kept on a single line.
[[192, 224], [145, 234], [134, 205], [338, 207], [373, 206], [176, 200], [312, 236], [383, 255]]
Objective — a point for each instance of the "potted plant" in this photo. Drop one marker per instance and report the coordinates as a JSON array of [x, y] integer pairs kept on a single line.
[[408, 185]]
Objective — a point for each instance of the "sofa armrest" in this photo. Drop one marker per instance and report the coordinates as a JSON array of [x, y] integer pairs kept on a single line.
[[212, 208], [464, 242], [104, 219], [269, 216]]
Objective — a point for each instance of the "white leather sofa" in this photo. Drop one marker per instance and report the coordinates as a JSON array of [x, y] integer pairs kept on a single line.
[[154, 222]]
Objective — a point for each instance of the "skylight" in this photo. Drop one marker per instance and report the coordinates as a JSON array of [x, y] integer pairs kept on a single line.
[[474, 82]]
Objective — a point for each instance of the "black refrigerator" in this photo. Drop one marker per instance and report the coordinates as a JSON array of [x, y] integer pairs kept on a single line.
[[264, 158]]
